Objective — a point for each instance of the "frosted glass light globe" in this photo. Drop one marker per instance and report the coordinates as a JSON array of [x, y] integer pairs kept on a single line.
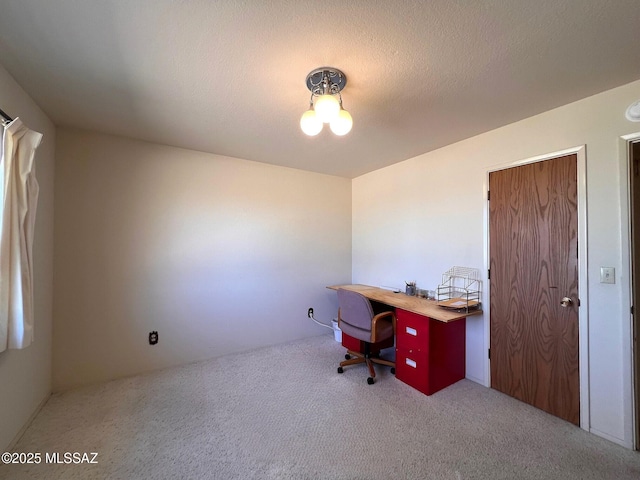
[[327, 108], [310, 123], [342, 124]]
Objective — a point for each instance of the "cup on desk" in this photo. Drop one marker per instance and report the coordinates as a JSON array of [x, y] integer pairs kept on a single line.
[[410, 290]]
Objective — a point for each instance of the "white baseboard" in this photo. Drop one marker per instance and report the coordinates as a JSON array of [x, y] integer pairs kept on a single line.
[[27, 423], [476, 380], [606, 436]]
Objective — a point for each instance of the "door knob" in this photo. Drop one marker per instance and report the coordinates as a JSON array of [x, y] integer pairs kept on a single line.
[[566, 302]]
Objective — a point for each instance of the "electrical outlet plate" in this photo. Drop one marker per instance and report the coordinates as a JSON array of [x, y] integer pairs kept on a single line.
[[607, 275]]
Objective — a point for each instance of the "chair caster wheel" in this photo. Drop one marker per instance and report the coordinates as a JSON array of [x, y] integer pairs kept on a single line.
[[370, 381], [340, 370], [393, 370], [347, 356]]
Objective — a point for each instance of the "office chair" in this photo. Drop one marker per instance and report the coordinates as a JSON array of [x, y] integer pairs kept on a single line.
[[357, 319]]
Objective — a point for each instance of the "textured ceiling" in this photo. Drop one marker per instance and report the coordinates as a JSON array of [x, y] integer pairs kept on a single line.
[[228, 77]]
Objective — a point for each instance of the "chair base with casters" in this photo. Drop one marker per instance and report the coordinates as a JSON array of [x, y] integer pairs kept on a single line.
[[361, 326], [354, 358]]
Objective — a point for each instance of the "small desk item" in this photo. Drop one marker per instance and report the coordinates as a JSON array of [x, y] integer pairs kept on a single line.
[[460, 288], [430, 341]]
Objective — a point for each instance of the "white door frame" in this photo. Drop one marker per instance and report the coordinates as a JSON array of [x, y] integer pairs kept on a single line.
[[583, 312], [627, 328]]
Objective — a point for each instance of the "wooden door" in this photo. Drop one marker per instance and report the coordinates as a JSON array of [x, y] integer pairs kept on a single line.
[[533, 231]]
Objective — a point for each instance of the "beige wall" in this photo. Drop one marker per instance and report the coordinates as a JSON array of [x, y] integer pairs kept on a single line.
[[25, 375], [217, 254], [432, 216]]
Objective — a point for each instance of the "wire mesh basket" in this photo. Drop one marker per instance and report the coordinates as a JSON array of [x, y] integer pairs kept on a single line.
[[460, 289]]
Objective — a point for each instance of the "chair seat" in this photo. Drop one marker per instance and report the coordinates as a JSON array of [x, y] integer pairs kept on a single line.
[[383, 332]]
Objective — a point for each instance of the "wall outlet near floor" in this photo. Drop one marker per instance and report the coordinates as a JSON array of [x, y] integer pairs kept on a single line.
[[607, 275]]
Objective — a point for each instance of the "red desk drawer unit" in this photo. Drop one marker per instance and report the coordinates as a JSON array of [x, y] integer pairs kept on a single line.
[[430, 355]]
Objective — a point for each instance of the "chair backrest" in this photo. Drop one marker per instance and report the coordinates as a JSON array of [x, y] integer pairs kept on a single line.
[[355, 309]]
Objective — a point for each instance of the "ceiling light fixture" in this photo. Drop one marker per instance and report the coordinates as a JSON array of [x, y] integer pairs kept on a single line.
[[325, 84]]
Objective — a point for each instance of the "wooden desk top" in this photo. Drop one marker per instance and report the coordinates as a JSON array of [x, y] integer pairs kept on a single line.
[[421, 306]]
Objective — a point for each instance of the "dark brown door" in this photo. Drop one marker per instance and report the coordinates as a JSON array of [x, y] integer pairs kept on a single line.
[[533, 235]]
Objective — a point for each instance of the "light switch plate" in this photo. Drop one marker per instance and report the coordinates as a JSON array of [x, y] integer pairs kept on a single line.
[[607, 275]]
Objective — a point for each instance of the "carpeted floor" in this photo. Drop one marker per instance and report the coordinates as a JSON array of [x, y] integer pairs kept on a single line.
[[284, 413]]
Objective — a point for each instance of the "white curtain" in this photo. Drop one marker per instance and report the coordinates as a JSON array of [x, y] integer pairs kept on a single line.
[[19, 193]]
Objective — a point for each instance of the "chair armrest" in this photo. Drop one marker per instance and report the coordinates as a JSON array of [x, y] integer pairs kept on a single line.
[[380, 318]]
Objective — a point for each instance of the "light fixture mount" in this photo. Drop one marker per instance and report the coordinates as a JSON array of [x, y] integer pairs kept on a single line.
[[326, 80]]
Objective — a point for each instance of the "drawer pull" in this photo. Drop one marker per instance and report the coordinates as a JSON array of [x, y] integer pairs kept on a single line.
[[410, 362], [411, 331]]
